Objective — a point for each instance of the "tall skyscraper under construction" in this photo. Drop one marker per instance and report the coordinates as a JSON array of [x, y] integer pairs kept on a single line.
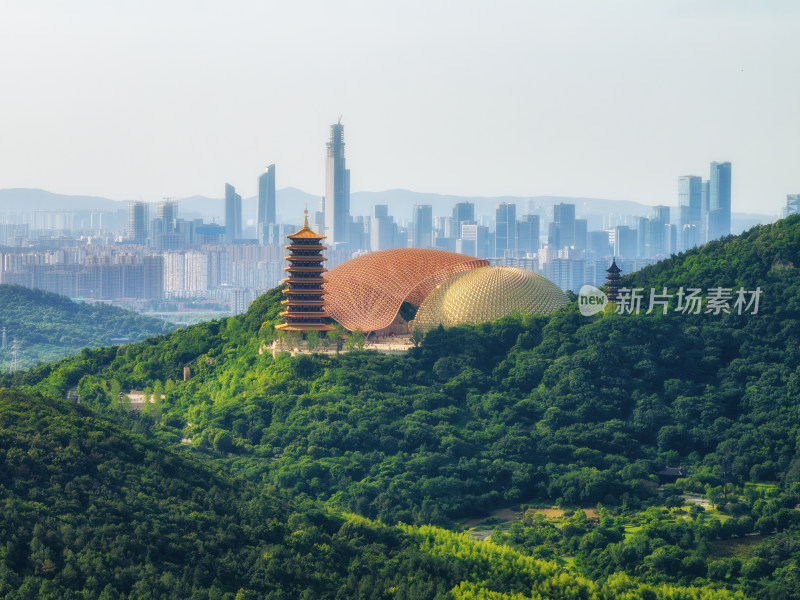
[[337, 189], [137, 222]]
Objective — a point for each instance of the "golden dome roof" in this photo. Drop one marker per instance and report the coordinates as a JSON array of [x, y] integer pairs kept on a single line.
[[488, 293]]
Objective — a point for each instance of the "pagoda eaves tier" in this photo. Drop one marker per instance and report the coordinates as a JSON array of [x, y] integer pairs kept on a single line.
[[305, 307], [612, 281]]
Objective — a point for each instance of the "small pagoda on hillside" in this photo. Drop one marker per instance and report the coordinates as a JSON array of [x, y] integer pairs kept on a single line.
[[612, 281], [305, 308]]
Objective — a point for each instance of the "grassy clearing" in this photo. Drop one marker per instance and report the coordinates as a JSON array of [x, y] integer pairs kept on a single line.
[[738, 547]]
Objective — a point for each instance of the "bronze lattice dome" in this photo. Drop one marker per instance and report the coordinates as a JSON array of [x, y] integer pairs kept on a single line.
[[367, 292], [488, 293]]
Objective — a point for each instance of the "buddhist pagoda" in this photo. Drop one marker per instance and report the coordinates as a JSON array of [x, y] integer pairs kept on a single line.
[[612, 281], [305, 308]]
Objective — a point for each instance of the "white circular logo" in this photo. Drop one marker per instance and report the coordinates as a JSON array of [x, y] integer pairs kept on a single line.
[[591, 301]]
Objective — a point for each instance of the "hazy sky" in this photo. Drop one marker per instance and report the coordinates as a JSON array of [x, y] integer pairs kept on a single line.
[[130, 99]]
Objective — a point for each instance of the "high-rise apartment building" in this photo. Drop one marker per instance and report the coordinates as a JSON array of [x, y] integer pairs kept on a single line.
[[137, 222], [566, 273], [233, 214], [719, 201], [422, 226], [337, 189], [167, 211], [164, 233], [474, 240], [266, 205], [505, 237]]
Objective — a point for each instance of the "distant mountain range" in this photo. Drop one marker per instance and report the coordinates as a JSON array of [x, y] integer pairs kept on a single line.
[[291, 202]]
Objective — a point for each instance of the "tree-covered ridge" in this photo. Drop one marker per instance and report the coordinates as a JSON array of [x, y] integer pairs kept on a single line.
[[93, 511], [49, 327], [561, 408]]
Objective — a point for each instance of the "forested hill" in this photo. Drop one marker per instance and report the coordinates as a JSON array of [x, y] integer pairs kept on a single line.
[[93, 511], [561, 409], [48, 326]]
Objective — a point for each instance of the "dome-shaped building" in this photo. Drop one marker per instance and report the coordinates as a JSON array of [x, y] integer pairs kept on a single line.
[[488, 293], [366, 293]]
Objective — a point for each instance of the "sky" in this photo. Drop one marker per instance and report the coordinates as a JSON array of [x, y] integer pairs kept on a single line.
[[614, 99]]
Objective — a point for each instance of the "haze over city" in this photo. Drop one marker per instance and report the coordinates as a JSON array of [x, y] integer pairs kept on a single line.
[[615, 100]]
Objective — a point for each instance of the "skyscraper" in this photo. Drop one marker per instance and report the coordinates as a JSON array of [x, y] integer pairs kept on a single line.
[[581, 227], [462, 211], [528, 234], [266, 204], [642, 238], [719, 201], [505, 237], [625, 240], [705, 193], [474, 240], [337, 189], [233, 214], [382, 229], [163, 229], [422, 226], [690, 196], [564, 218], [137, 222], [792, 205], [598, 242], [658, 234]]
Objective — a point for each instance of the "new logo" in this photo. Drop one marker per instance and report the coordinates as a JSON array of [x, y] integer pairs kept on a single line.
[[591, 301]]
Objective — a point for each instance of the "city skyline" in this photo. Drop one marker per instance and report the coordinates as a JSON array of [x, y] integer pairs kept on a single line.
[[621, 94]]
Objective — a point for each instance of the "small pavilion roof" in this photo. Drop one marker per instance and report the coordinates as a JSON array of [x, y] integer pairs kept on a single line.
[[672, 472]]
